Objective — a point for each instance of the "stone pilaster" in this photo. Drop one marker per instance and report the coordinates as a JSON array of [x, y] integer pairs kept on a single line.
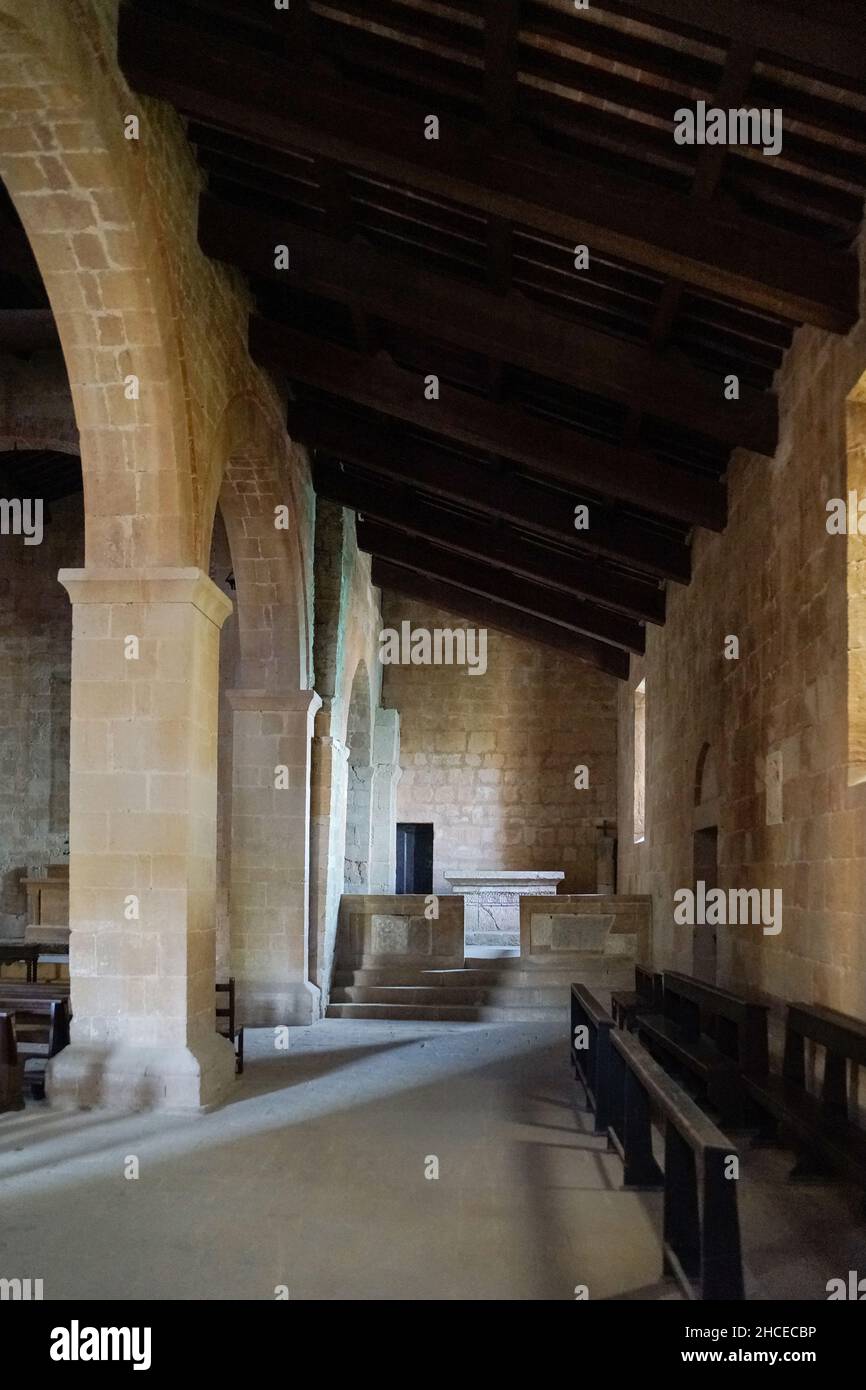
[[328, 782], [145, 654], [383, 808], [269, 894]]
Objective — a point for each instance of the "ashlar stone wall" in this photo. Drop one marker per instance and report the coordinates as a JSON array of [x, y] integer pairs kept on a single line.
[[777, 717], [490, 759]]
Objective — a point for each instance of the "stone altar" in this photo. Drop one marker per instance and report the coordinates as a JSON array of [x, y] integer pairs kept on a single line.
[[491, 899]]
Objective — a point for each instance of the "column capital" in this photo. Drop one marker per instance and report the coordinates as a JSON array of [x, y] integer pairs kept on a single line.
[[152, 585], [275, 701]]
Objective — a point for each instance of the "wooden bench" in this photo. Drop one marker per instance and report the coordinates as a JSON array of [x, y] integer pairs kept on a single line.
[[710, 1036], [646, 997], [591, 1061], [21, 953], [41, 1025], [227, 1011], [39, 1032], [11, 989], [11, 1097], [701, 1231], [821, 1124]]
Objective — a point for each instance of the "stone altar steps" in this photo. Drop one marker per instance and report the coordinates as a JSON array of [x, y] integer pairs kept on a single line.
[[516, 989]]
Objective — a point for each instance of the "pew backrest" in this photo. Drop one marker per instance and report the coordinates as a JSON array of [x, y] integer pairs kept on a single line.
[[843, 1039], [648, 986], [736, 1024]]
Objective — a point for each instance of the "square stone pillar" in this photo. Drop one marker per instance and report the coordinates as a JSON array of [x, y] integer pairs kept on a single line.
[[383, 808], [270, 845], [142, 839]]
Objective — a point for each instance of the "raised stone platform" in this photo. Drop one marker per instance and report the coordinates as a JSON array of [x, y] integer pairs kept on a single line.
[[491, 914]]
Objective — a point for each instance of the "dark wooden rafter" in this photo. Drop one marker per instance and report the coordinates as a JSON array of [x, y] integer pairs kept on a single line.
[[520, 500], [626, 475], [824, 37], [333, 184], [495, 582], [501, 24], [507, 326], [501, 544], [452, 257], [709, 163], [723, 252], [453, 599]]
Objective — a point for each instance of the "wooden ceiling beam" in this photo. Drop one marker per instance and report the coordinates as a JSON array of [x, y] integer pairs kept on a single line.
[[632, 476], [508, 326], [501, 585], [488, 613], [826, 37], [484, 535], [520, 500], [501, 25], [249, 93]]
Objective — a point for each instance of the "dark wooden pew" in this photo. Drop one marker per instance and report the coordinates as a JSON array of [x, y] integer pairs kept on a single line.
[[11, 1097], [646, 997], [40, 1014], [41, 1026], [591, 1063], [709, 1036], [23, 953], [226, 1011], [55, 989], [822, 1125], [38, 989], [701, 1232]]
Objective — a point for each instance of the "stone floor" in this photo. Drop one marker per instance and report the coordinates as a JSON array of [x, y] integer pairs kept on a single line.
[[313, 1177]]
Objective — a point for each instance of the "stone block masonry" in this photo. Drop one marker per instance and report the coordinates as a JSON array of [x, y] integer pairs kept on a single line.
[[490, 760]]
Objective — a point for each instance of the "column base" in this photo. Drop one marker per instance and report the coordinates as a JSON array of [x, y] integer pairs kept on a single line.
[[295, 1003], [122, 1076]]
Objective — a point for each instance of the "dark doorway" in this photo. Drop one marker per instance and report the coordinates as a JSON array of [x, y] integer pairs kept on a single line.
[[706, 868], [414, 858]]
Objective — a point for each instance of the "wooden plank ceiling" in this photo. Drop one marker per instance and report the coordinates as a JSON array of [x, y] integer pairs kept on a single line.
[[560, 387]]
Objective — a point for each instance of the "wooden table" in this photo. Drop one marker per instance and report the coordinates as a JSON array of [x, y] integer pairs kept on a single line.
[[11, 952]]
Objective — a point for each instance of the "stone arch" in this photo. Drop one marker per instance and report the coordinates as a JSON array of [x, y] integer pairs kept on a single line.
[[266, 718], [359, 741], [269, 568], [81, 192]]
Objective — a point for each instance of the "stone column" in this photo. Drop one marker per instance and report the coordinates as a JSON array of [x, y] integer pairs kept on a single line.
[[270, 844], [145, 674], [328, 781], [383, 810]]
